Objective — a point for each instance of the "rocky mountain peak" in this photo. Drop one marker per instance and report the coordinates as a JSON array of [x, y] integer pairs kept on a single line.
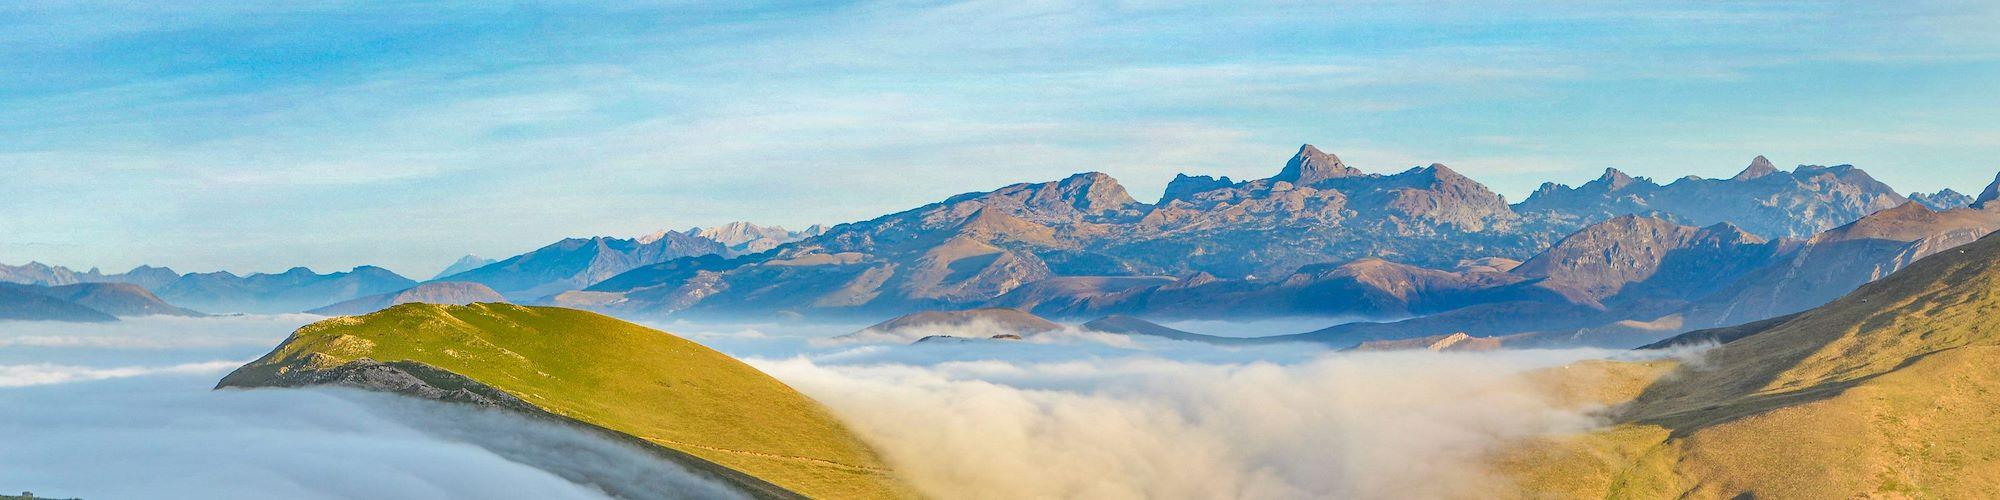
[[1185, 186], [1310, 166], [1613, 179], [1094, 192], [1986, 197], [1759, 167], [1942, 200]]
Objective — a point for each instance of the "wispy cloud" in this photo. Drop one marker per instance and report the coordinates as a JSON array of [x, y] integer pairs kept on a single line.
[[493, 128]]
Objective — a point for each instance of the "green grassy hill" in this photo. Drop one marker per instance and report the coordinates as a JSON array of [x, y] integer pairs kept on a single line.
[[1892, 391], [602, 372]]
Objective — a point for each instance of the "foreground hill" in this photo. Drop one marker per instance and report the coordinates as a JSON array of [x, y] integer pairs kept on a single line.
[[455, 293], [1889, 391], [697, 406]]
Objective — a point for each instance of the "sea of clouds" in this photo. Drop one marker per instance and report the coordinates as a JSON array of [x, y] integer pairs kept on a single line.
[[125, 410]]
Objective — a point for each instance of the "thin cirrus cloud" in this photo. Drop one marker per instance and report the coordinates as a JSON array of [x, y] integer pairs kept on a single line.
[[292, 133]]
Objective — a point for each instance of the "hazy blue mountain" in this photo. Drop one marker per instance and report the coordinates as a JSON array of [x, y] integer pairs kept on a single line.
[[463, 264], [116, 299], [455, 293], [294, 290], [149, 277], [20, 302]]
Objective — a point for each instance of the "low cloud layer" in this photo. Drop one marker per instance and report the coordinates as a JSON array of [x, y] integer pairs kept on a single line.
[[45, 373], [1147, 423], [125, 412]]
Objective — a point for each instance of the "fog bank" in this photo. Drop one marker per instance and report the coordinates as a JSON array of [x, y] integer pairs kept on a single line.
[[1361, 425]]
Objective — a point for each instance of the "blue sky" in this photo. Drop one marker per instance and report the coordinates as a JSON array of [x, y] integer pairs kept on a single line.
[[330, 134]]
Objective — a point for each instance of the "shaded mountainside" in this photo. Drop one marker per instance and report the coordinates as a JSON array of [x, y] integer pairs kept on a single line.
[[294, 290], [26, 303], [1889, 391], [1838, 261], [1762, 199], [1631, 258], [116, 299], [456, 293], [689, 403], [1082, 246]]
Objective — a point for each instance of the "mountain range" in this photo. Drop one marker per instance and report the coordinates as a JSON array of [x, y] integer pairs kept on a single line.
[[1615, 261], [1319, 238]]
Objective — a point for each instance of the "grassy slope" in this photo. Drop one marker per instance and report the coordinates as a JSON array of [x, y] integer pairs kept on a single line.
[[1891, 391], [619, 376]]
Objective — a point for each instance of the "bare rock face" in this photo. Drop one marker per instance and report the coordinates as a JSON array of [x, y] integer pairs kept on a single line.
[[1943, 200], [1762, 200], [1759, 167]]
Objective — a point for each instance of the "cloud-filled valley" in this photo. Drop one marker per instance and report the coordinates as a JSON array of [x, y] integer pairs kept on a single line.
[[1085, 419]]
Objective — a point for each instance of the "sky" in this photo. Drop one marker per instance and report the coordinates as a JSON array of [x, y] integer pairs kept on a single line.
[[333, 134]]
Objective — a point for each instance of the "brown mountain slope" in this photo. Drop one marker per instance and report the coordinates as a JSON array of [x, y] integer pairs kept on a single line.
[[1889, 391]]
